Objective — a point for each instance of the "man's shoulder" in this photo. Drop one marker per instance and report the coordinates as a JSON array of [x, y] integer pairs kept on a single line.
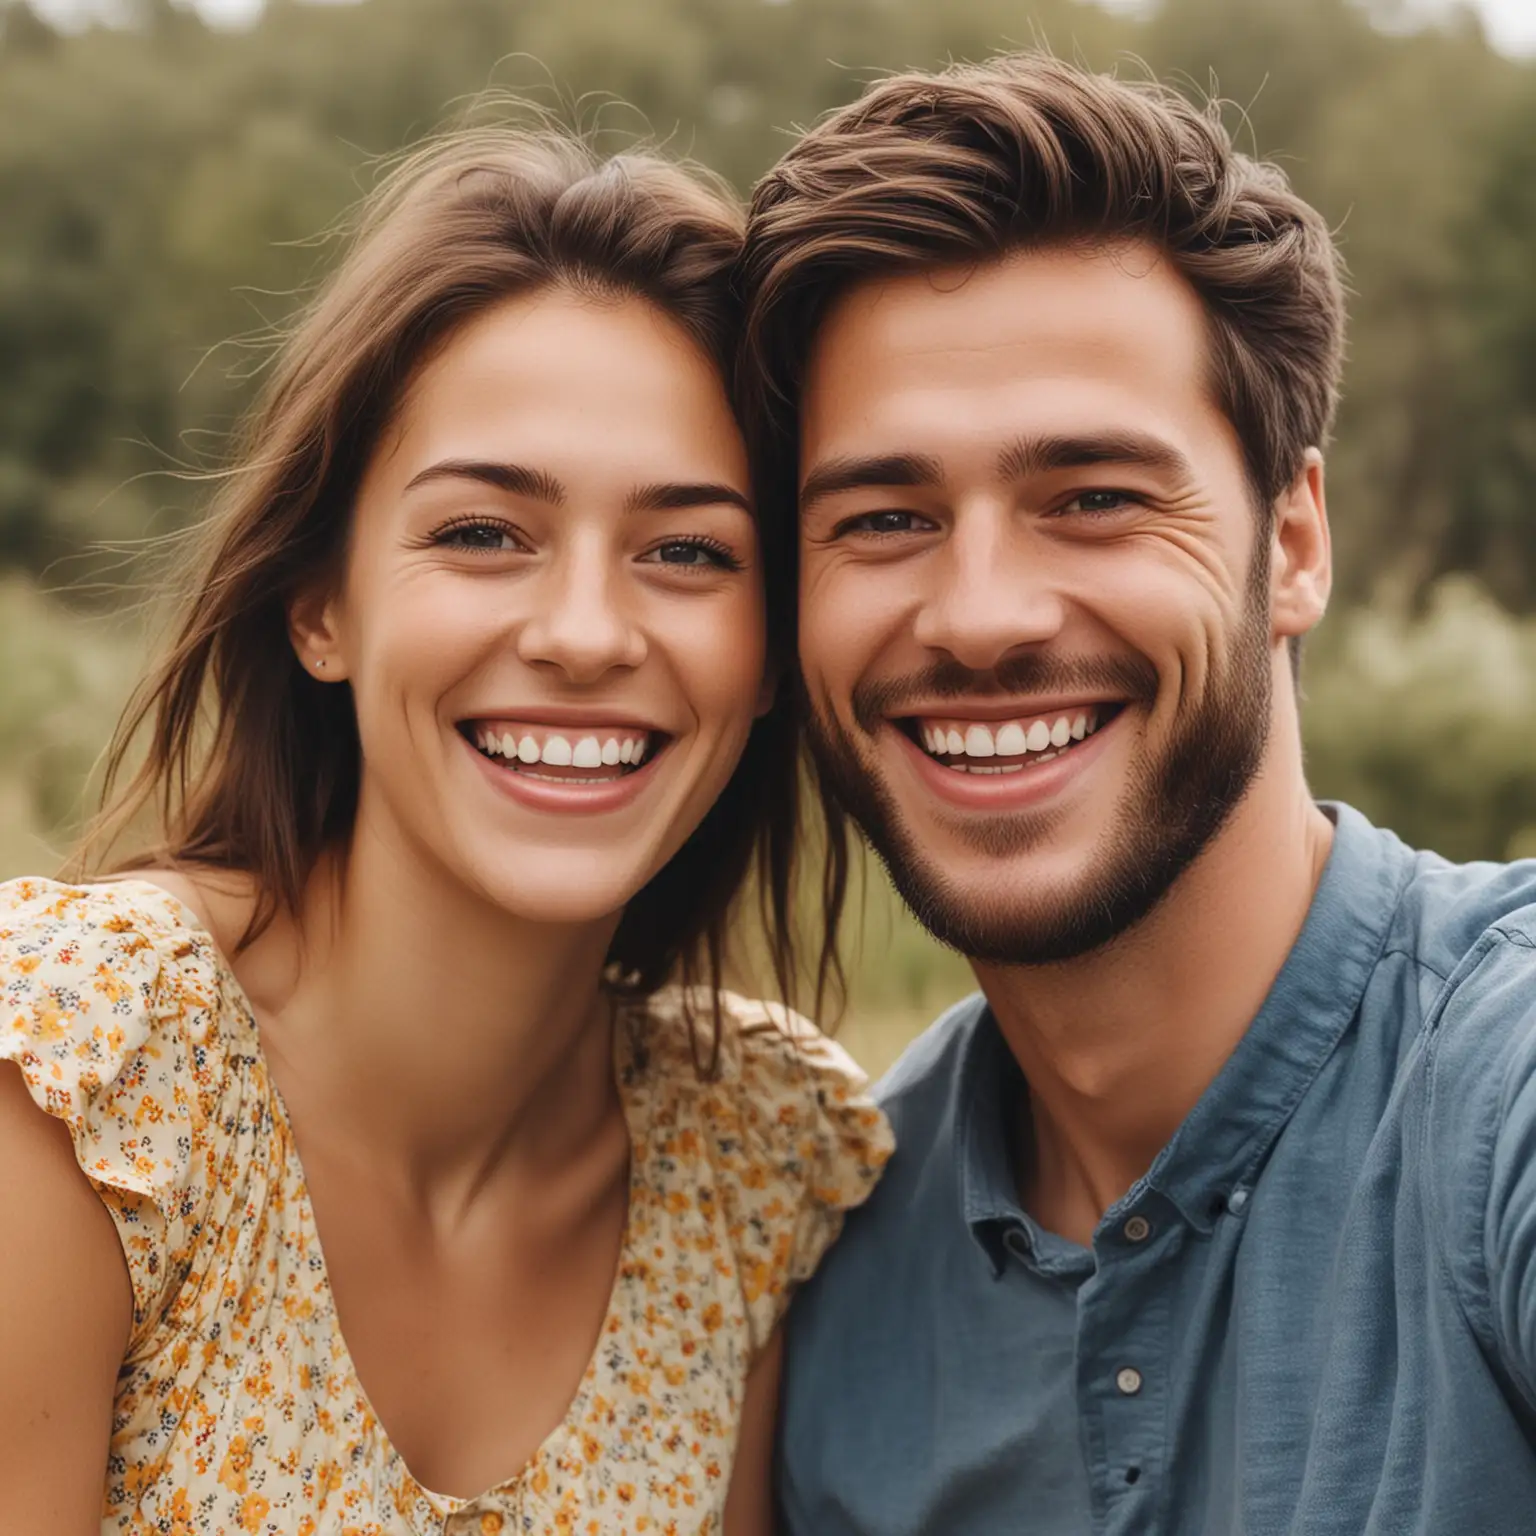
[[922, 1095], [920, 1091], [877, 1279], [1450, 913], [925, 1097], [1482, 1025], [1471, 930]]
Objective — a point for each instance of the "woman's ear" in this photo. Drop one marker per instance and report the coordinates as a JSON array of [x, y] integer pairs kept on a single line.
[[1301, 559], [314, 634]]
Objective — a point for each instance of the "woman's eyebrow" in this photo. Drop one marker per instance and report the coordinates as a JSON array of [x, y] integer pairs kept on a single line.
[[673, 496], [517, 479]]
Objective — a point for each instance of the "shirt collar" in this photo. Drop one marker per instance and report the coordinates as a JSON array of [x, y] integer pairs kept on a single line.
[[1215, 1154], [988, 1082]]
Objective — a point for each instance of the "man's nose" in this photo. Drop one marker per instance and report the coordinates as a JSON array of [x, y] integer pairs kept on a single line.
[[991, 591]]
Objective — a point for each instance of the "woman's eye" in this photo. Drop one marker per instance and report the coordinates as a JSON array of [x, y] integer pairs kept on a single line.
[[478, 536], [700, 554]]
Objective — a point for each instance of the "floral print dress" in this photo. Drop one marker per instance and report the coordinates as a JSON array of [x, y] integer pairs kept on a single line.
[[238, 1408]]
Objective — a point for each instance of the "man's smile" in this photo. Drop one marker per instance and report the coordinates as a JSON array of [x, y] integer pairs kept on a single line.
[[1011, 744]]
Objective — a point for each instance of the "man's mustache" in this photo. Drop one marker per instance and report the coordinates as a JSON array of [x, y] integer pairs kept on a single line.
[[1132, 678]]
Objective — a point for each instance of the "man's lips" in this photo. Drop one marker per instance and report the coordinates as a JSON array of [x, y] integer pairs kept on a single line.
[[1007, 782], [1016, 735]]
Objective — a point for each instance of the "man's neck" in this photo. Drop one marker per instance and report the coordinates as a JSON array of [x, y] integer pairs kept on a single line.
[[1119, 1045]]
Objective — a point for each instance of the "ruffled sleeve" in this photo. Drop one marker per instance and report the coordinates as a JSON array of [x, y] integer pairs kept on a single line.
[[104, 1007], [795, 1142]]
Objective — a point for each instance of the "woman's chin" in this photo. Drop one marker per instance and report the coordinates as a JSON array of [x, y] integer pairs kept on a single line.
[[565, 890]]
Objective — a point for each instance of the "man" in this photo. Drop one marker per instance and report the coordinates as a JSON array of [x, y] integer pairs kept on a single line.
[[1214, 1213]]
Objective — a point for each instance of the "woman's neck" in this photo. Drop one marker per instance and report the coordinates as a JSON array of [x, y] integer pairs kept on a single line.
[[426, 1034]]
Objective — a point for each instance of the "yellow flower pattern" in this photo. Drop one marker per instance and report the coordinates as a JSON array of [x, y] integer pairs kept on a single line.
[[238, 1409]]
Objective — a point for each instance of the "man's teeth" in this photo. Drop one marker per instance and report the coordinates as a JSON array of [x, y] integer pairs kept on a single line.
[[1042, 737], [562, 751]]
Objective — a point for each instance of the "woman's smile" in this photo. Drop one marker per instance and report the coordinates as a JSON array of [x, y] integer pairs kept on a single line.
[[597, 754], [591, 770], [555, 567]]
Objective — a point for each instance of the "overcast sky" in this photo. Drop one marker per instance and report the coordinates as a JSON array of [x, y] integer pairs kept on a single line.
[[1511, 24]]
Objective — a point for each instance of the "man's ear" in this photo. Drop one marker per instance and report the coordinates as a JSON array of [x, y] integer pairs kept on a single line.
[[1301, 553], [314, 632]]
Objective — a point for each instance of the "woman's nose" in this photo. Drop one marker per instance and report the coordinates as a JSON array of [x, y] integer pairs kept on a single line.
[[581, 621]]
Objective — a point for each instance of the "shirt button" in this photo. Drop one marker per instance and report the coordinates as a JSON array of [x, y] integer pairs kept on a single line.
[[1138, 1229], [1128, 1379]]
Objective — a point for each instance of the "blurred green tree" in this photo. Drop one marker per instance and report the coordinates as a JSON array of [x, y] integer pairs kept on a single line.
[[166, 187]]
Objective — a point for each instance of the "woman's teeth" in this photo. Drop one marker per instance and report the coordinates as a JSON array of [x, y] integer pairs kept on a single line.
[[525, 746], [1012, 744]]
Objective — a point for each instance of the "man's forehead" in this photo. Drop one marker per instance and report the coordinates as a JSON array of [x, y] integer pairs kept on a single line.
[[1057, 291], [1069, 332]]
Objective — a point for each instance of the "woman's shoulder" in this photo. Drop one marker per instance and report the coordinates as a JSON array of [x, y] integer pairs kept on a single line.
[[121, 932], [781, 1114], [114, 1006], [757, 1060], [110, 983], [117, 946]]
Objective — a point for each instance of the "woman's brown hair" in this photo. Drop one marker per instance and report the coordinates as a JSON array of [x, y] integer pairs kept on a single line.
[[253, 765]]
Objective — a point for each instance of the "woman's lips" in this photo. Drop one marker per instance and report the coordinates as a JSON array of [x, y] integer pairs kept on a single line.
[[574, 753], [550, 785]]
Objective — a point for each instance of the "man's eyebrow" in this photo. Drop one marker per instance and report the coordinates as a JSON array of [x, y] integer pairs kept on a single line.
[[1027, 456], [680, 495], [833, 476], [517, 479]]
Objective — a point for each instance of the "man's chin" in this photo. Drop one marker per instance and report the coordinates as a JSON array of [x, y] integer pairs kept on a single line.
[[1020, 911]]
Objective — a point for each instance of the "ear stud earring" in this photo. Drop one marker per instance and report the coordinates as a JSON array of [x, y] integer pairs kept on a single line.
[[320, 665]]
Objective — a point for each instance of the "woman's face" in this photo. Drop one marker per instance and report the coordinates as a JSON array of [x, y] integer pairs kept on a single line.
[[552, 610]]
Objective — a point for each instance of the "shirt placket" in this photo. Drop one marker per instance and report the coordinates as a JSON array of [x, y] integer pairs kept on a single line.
[[1124, 1317]]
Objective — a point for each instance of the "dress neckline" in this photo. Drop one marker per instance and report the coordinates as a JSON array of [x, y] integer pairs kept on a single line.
[[627, 1060]]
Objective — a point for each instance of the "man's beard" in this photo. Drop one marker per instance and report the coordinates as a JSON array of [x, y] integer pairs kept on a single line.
[[1176, 804]]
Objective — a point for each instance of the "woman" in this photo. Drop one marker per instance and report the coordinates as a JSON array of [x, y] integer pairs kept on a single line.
[[467, 740]]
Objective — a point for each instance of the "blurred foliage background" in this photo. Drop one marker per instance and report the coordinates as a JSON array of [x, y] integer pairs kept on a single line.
[[163, 188]]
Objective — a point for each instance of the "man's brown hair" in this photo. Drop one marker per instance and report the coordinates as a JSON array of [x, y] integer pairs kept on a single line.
[[250, 763], [928, 171], [935, 170]]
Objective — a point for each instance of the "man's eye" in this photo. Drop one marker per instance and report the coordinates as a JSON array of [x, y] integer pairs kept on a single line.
[[1101, 502], [885, 522]]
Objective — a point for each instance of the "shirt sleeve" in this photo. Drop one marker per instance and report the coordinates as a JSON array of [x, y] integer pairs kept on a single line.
[[107, 1029], [1483, 1151], [797, 1142]]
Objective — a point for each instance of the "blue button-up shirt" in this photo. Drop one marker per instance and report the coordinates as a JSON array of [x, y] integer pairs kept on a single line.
[[1315, 1314]]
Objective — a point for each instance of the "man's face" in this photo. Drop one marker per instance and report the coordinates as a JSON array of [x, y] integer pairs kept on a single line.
[[1035, 595]]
